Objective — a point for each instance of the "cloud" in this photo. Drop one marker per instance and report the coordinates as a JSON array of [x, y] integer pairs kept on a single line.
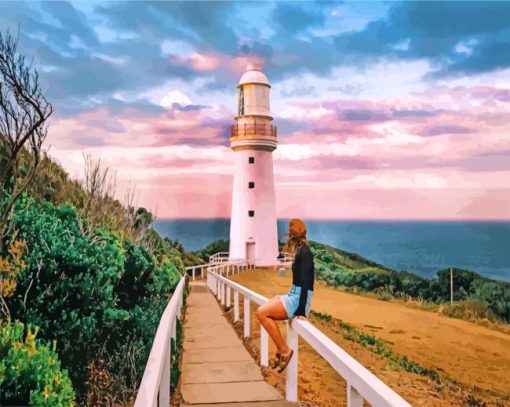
[[448, 129], [193, 21], [434, 30], [372, 102], [363, 115], [293, 17]]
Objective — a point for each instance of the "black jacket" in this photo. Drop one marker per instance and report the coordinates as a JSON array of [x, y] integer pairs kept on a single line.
[[303, 275]]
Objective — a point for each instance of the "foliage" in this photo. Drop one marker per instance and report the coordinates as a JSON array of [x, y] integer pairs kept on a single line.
[[177, 343], [479, 297], [10, 267], [30, 372], [89, 291], [215, 247], [23, 115], [52, 183], [96, 270], [469, 309], [173, 250]]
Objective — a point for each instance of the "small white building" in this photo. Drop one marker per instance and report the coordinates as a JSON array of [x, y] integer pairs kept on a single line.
[[253, 228]]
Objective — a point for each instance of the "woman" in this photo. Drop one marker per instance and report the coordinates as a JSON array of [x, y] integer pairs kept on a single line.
[[297, 302]]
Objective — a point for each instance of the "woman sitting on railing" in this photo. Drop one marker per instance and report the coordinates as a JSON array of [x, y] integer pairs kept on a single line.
[[297, 302]]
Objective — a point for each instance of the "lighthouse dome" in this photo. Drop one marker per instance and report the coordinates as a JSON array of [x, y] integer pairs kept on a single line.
[[253, 75]]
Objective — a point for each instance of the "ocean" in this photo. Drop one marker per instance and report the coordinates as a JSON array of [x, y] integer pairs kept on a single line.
[[420, 247]]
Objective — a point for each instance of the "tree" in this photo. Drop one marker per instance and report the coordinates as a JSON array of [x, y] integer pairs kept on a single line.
[[23, 115]]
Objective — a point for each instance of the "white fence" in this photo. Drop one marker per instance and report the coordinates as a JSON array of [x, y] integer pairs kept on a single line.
[[218, 258], [194, 270], [361, 383], [286, 260], [230, 267], [219, 264], [154, 389]]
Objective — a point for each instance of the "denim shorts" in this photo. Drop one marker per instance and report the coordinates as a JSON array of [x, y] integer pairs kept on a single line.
[[291, 301]]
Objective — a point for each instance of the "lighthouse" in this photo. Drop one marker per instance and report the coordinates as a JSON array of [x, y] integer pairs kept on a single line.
[[253, 228]]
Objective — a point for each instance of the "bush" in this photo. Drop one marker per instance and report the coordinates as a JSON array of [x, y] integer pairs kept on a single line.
[[480, 297], [30, 372], [472, 308], [89, 291], [497, 296], [215, 247]]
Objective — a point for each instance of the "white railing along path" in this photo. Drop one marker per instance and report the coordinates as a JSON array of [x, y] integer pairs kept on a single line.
[[194, 269], [361, 383], [154, 390]]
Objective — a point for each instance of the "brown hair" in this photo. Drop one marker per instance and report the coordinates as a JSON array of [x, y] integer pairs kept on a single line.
[[296, 237]]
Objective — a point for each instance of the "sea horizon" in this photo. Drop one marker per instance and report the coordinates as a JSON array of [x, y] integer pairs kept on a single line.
[[422, 247], [359, 219]]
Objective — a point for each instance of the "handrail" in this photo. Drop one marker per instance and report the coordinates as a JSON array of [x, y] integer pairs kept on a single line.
[[194, 268], [155, 385], [219, 257], [361, 383]]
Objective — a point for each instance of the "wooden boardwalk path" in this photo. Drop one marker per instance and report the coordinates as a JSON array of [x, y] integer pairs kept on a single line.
[[216, 368]]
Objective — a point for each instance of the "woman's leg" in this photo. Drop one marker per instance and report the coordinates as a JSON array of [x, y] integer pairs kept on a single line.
[[267, 314]]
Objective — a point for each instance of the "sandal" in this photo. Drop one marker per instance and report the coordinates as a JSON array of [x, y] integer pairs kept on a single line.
[[284, 361], [276, 361]]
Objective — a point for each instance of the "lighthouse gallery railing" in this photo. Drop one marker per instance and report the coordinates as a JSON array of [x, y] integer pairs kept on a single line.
[[247, 129]]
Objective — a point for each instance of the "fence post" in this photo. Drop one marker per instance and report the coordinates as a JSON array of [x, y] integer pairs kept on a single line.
[[228, 296], [218, 288], [193, 273], [223, 293], [164, 385], [246, 316], [354, 399], [264, 347], [292, 368], [236, 305]]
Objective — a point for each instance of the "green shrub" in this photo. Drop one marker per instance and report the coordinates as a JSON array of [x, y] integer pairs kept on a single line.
[[355, 273], [472, 308], [30, 372], [89, 291], [176, 354], [215, 247]]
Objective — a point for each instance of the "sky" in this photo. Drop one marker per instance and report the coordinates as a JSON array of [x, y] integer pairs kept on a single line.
[[385, 110]]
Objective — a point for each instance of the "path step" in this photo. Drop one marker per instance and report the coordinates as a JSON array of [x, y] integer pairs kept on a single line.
[[216, 367], [232, 392]]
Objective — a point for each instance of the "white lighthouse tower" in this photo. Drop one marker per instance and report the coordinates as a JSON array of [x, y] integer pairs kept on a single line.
[[253, 229]]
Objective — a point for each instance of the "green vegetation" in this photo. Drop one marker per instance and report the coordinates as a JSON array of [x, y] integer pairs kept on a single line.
[[88, 291], [215, 247], [475, 296], [81, 269], [377, 346], [30, 371], [85, 289]]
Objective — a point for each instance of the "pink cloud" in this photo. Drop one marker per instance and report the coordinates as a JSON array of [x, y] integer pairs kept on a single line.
[[430, 155], [198, 61]]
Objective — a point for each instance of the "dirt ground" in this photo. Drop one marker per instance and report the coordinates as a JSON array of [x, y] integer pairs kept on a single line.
[[473, 361]]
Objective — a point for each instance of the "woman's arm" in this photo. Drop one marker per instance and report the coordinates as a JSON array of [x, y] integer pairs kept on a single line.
[[305, 270]]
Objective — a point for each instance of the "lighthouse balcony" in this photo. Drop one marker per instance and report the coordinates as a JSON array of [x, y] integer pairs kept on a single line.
[[247, 130]]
